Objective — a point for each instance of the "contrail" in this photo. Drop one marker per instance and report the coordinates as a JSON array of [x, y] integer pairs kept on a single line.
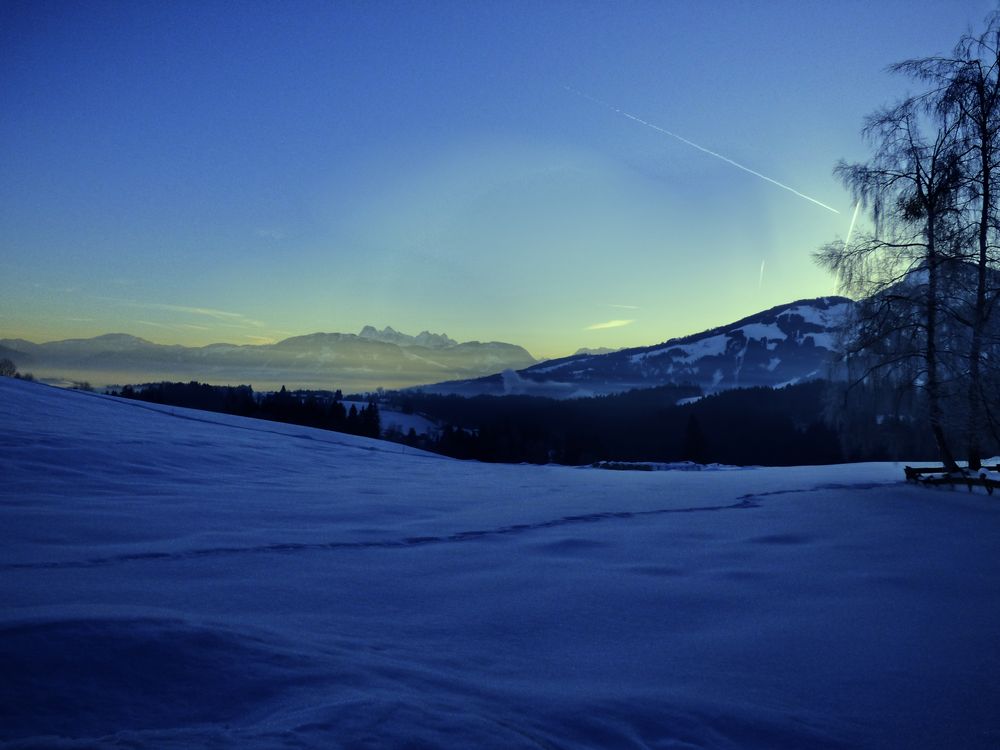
[[760, 281], [847, 240], [850, 229], [717, 155]]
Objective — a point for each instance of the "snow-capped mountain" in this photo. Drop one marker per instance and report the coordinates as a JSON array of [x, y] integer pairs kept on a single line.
[[786, 344], [319, 360], [389, 335]]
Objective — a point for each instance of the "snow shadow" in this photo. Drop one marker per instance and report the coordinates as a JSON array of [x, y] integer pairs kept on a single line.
[[93, 677]]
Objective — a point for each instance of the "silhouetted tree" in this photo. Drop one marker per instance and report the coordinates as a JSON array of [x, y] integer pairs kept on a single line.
[[945, 184], [965, 87], [910, 186], [337, 414], [369, 422], [352, 422], [695, 448], [7, 368]]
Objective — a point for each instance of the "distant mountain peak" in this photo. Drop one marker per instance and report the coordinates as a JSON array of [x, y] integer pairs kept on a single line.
[[390, 335], [120, 338]]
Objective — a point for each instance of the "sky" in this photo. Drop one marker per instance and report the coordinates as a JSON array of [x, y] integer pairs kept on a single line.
[[247, 171]]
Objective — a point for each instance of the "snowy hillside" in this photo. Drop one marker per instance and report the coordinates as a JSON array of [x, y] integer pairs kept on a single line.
[[781, 346], [182, 579]]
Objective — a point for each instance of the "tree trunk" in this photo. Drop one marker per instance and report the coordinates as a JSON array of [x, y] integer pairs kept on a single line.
[[974, 426], [933, 384]]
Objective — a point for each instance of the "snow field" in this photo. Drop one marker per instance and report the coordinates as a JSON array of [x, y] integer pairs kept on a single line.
[[173, 578]]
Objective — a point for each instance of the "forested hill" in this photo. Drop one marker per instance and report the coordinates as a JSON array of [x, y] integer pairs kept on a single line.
[[755, 426]]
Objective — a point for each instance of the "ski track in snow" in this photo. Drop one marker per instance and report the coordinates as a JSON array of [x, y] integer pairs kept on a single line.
[[744, 502], [406, 542]]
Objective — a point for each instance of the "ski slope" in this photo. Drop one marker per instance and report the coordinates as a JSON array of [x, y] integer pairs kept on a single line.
[[172, 578]]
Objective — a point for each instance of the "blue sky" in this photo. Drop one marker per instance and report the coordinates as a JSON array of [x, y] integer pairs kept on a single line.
[[200, 172]]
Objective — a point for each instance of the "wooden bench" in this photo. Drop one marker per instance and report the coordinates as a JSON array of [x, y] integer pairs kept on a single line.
[[915, 474]]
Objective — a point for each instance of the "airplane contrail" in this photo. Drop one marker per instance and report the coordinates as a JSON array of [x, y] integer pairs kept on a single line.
[[717, 155], [760, 281], [847, 240], [850, 229]]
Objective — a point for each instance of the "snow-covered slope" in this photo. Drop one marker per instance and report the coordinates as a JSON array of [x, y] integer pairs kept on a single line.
[[786, 344], [181, 579]]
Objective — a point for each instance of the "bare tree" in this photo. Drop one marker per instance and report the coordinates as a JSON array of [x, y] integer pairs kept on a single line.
[[965, 87], [910, 189]]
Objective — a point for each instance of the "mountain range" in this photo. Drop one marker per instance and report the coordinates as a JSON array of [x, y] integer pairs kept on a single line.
[[783, 345], [320, 360]]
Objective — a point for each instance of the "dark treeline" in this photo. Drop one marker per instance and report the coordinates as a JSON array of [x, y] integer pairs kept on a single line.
[[321, 409], [748, 426], [763, 426]]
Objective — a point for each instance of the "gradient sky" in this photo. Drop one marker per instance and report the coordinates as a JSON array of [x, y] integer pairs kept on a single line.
[[246, 171]]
